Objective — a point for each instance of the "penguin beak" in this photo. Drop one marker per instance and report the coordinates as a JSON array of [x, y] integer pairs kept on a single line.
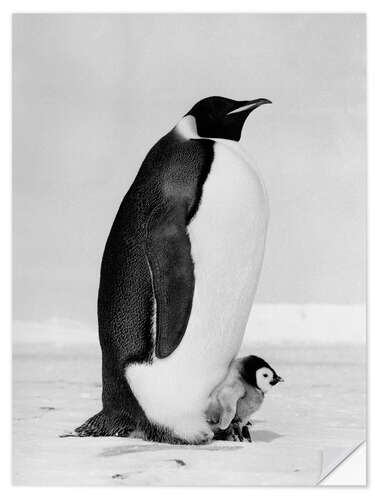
[[247, 106], [276, 380]]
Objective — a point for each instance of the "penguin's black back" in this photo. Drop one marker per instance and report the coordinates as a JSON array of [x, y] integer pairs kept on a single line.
[[170, 180], [125, 291]]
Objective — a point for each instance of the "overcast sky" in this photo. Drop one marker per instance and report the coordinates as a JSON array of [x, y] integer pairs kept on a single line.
[[92, 94]]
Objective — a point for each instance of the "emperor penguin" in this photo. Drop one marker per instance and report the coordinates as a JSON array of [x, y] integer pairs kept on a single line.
[[178, 277]]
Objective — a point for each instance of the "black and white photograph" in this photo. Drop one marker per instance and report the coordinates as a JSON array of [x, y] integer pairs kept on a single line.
[[189, 248]]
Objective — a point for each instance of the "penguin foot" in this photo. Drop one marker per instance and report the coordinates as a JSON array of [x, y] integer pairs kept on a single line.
[[246, 433], [231, 433], [237, 432], [226, 434], [105, 425]]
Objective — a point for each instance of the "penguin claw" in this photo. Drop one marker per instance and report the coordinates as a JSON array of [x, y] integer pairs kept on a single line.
[[238, 438], [237, 430], [246, 433]]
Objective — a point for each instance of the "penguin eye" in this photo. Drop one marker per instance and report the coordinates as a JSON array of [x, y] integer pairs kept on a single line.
[[265, 375]]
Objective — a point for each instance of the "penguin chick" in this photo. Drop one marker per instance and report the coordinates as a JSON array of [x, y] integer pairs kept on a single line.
[[238, 396]]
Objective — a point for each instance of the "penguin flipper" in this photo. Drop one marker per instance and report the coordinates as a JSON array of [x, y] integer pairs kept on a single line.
[[172, 273]]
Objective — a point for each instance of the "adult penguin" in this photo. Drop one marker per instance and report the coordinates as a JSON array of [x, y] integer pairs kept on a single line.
[[178, 277]]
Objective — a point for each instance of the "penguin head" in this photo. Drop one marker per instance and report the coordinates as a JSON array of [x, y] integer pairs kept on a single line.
[[219, 117], [258, 373]]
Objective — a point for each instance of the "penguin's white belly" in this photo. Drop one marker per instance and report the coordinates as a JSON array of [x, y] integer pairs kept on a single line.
[[227, 243]]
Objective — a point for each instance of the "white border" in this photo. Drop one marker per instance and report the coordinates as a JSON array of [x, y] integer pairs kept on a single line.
[[6, 9]]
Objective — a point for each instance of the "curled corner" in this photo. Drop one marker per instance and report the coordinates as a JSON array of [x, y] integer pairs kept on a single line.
[[333, 457]]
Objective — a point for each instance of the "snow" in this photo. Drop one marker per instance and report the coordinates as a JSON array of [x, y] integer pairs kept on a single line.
[[320, 408]]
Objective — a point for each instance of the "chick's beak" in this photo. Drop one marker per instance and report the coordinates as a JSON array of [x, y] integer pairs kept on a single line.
[[276, 380]]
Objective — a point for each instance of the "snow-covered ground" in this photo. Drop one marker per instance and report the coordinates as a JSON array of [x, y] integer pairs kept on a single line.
[[317, 413]]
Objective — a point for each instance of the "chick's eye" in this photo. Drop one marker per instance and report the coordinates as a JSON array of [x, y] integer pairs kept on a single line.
[[265, 375]]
